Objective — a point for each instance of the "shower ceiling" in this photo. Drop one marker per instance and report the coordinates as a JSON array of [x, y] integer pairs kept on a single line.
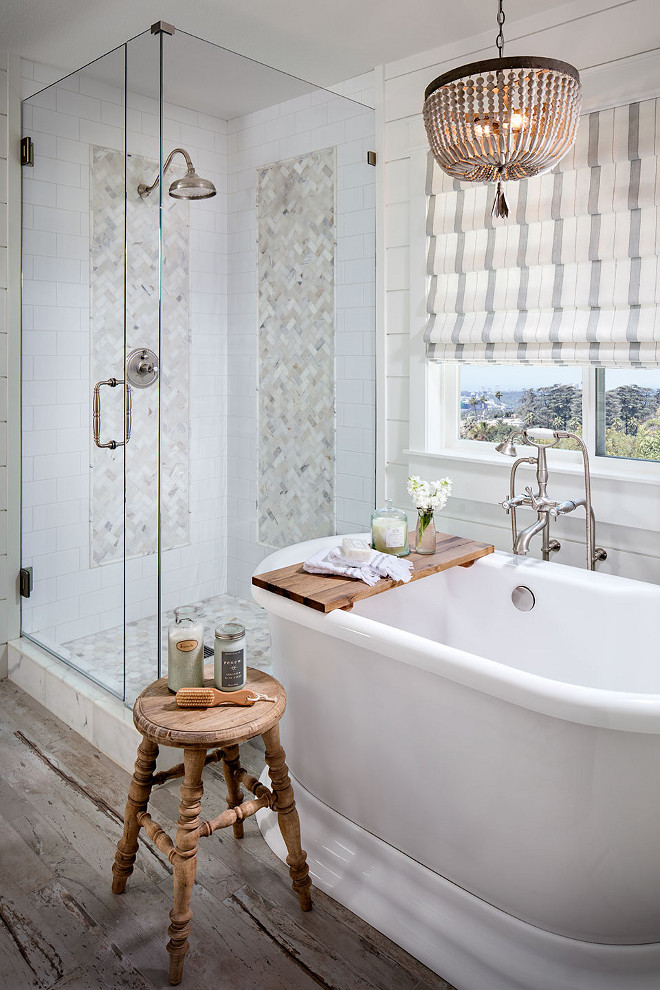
[[195, 76], [326, 43]]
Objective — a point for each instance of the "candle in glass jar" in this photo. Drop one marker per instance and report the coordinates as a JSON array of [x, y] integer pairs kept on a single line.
[[185, 650], [229, 671], [389, 530]]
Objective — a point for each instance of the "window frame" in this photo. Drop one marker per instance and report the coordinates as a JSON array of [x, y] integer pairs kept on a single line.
[[442, 394]]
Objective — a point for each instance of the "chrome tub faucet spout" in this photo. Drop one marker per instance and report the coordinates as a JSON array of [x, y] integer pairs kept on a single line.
[[545, 507]]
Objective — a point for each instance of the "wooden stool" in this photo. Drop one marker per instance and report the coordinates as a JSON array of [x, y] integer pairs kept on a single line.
[[198, 730]]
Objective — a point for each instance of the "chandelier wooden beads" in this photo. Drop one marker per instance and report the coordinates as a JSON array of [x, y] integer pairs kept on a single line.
[[502, 118]]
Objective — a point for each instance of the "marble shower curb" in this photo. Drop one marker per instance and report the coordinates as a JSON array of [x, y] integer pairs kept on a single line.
[[93, 713]]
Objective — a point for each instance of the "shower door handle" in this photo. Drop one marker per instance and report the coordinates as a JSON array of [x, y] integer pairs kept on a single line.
[[96, 413]]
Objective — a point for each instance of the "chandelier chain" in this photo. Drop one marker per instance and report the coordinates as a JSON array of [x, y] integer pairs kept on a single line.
[[499, 41]]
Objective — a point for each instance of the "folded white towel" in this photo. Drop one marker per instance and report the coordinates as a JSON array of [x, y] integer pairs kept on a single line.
[[379, 566]]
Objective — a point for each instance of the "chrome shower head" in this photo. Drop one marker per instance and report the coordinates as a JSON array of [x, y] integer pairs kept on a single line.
[[506, 447], [190, 186]]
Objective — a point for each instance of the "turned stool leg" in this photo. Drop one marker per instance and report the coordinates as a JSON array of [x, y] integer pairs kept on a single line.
[[138, 799], [184, 859], [287, 816], [230, 764]]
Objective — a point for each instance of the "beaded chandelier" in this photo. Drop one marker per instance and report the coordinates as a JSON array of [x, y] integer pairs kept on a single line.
[[502, 118]]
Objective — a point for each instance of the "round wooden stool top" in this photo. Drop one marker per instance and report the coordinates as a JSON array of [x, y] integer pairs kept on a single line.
[[157, 716]]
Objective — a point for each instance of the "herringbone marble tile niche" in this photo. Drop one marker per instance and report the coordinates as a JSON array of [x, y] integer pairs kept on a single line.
[[296, 284], [107, 359]]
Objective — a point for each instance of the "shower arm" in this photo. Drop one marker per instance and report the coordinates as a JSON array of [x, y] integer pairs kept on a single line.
[[144, 190]]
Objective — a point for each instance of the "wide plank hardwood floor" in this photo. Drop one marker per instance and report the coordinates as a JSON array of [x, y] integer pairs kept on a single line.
[[61, 808]]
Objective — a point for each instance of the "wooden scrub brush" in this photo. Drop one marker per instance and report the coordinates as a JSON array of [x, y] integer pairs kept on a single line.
[[208, 697]]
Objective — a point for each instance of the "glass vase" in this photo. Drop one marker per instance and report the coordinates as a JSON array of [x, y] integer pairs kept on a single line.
[[425, 532]]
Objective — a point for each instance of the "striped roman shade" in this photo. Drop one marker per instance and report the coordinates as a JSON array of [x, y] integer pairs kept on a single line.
[[572, 276]]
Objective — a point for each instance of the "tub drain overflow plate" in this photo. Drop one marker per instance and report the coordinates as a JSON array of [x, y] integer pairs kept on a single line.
[[523, 598]]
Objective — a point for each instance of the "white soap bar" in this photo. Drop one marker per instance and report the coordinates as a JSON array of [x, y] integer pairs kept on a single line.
[[355, 549]]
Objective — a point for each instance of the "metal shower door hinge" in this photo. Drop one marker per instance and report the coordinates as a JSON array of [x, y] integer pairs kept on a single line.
[[25, 581], [27, 151]]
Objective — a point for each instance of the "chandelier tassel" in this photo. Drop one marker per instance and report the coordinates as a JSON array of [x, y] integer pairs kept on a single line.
[[500, 205]]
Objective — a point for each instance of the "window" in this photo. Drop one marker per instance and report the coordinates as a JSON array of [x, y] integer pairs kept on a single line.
[[622, 406], [496, 399], [628, 413]]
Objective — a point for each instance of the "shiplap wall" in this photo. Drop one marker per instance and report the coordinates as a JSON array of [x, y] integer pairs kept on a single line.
[[613, 50]]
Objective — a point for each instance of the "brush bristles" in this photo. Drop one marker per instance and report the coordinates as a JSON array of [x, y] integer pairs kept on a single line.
[[195, 697]]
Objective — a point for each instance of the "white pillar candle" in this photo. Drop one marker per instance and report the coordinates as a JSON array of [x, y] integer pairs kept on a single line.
[[389, 535]]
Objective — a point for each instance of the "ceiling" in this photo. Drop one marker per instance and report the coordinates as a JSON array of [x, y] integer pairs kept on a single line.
[[323, 43]]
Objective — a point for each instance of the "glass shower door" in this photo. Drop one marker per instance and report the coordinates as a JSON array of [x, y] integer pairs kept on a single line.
[[76, 409], [91, 377], [143, 290]]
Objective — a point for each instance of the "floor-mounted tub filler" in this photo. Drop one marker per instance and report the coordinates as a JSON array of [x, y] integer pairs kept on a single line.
[[480, 779]]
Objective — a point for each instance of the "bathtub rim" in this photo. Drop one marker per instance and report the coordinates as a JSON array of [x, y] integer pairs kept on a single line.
[[596, 707]]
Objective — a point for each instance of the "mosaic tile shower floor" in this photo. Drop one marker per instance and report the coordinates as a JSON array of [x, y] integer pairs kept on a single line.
[[101, 655]]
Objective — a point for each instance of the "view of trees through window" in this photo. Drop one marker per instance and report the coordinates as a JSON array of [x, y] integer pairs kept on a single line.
[[496, 400], [631, 425], [499, 399]]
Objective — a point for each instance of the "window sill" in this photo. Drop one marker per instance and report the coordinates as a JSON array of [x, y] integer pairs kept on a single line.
[[628, 472]]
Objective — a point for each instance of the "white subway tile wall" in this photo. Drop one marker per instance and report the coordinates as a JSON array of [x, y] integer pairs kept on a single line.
[[70, 598], [308, 123], [64, 121]]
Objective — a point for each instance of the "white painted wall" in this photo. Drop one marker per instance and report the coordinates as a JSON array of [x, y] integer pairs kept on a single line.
[[608, 47]]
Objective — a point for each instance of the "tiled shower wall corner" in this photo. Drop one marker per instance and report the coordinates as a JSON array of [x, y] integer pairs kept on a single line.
[[3, 364], [310, 123], [70, 598]]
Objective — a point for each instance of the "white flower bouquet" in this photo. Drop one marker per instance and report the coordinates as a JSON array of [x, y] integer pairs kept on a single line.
[[428, 497]]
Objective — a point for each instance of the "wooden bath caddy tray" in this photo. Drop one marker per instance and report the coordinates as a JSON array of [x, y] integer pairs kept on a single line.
[[326, 592]]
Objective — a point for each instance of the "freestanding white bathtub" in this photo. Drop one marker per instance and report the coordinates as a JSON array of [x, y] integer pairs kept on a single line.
[[482, 784]]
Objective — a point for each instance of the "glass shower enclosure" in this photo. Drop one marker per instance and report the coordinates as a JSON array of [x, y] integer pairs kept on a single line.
[[197, 343]]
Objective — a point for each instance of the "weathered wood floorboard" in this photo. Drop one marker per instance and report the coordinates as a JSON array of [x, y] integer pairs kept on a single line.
[[61, 807]]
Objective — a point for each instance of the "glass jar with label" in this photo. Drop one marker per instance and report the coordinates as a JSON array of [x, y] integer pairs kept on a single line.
[[185, 649], [229, 657], [389, 530]]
